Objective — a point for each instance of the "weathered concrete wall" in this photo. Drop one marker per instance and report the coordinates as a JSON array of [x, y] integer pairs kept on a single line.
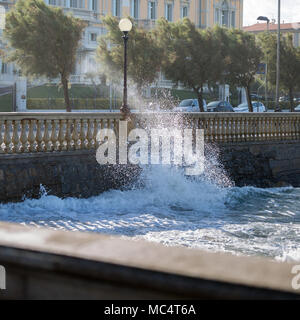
[[262, 164], [63, 174], [47, 264], [77, 174]]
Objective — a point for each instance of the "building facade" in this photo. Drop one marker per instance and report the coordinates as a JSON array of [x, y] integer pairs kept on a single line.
[[204, 13], [286, 28]]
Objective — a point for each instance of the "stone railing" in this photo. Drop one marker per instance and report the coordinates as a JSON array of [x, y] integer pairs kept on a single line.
[[248, 127], [47, 132]]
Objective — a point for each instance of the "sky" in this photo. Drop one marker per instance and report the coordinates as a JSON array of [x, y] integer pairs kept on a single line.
[[290, 10]]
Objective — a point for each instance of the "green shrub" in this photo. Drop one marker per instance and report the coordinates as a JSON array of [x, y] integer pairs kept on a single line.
[[76, 104]]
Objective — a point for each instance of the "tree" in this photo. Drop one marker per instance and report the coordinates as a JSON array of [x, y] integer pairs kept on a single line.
[[144, 56], [289, 63], [243, 59], [191, 56], [44, 41]]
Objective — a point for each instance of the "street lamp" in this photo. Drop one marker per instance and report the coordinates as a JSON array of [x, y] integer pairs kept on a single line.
[[262, 18], [125, 26]]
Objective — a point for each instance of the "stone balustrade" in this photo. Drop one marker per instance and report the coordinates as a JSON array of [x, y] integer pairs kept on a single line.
[[48, 132]]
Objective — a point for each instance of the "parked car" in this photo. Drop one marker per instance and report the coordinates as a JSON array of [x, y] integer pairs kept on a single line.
[[190, 105], [219, 106], [284, 99], [255, 96], [257, 107], [297, 109]]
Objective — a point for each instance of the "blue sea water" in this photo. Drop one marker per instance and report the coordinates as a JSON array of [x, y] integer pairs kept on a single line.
[[176, 211]]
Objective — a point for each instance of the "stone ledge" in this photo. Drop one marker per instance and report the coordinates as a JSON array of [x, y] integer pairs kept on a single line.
[[137, 268]]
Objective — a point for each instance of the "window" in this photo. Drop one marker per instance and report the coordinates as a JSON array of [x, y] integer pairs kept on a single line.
[[93, 37], [94, 5], [4, 68], [117, 8], [225, 18], [217, 16], [169, 12], [52, 2], [73, 3], [225, 14], [76, 4], [135, 9], [184, 11], [233, 19], [152, 10]]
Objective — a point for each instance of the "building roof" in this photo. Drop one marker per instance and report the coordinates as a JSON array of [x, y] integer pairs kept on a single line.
[[260, 27]]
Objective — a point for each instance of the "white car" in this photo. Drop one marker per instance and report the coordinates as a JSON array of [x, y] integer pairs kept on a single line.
[[190, 105], [297, 109], [257, 107]]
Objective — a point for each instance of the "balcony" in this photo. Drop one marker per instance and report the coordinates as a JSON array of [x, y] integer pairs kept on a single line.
[[84, 14], [145, 23]]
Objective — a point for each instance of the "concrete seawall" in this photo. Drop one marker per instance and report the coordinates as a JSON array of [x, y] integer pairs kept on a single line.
[[46, 264], [77, 173], [64, 174], [262, 164]]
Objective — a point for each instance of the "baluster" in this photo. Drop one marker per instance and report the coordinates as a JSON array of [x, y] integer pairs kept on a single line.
[[253, 128], [294, 123], [89, 134], [82, 134], [68, 135], [277, 128], [15, 137], [23, 137], [61, 135], [268, 125], [272, 128], [232, 129], [31, 138], [228, 123], [237, 129], [233, 138], [287, 128], [260, 135], [75, 136], [54, 135], [96, 124], [280, 128], [46, 138], [220, 130], [244, 128], [268, 134], [214, 130], [226, 130], [7, 136], [208, 121], [39, 136]]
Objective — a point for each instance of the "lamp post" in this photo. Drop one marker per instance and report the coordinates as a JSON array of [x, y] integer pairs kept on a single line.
[[125, 26], [262, 18], [277, 109]]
